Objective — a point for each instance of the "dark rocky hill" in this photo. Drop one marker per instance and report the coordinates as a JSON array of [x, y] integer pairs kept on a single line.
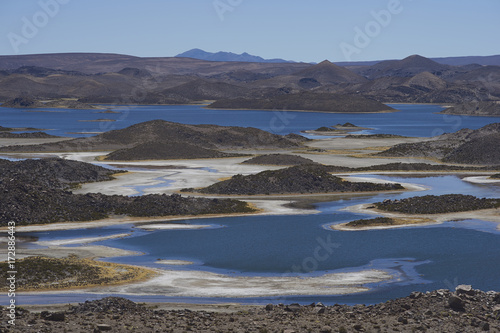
[[165, 151], [481, 146], [328, 73], [297, 179], [305, 101], [279, 159], [406, 67], [483, 150], [22, 102], [201, 89], [206, 136], [37, 192], [432, 204]]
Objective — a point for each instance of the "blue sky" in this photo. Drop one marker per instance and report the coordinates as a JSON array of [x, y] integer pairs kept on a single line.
[[311, 31]]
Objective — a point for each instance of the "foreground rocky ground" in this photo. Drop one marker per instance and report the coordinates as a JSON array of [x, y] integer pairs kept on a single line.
[[465, 310]]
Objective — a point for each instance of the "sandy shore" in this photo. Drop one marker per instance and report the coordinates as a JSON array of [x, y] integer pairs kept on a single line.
[[481, 180], [88, 251], [206, 284], [407, 186], [492, 215], [172, 226], [85, 240]]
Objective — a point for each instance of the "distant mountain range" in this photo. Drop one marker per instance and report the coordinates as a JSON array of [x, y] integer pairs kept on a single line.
[[225, 56], [493, 60], [113, 78]]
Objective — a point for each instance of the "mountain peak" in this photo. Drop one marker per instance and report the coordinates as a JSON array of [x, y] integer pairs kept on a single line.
[[418, 60], [225, 56], [327, 72]]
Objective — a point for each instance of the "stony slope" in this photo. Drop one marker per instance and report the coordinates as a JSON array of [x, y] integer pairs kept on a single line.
[[432, 204], [37, 192], [205, 136], [464, 310], [305, 101], [406, 67], [328, 73], [278, 159], [466, 146], [475, 109], [297, 179], [165, 151]]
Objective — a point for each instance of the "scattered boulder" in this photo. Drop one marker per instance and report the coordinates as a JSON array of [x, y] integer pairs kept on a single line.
[[456, 303]]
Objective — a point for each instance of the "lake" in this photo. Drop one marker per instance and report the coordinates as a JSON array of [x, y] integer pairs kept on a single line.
[[412, 120], [421, 258]]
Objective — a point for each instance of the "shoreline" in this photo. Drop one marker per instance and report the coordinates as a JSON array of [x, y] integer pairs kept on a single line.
[[490, 215]]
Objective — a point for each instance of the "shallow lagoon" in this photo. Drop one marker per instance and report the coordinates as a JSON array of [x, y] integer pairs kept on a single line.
[[420, 258]]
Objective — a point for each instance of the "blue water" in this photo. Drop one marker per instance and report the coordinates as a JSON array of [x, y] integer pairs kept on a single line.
[[412, 120], [422, 258]]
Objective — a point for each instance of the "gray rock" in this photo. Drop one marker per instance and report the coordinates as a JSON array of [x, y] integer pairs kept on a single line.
[[295, 307], [465, 289], [104, 327], [456, 303], [320, 310], [55, 316], [416, 294], [326, 329], [269, 307]]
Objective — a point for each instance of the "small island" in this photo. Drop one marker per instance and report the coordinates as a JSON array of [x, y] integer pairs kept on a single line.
[[379, 222], [339, 129], [279, 159], [421, 210], [97, 120], [303, 179], [432, 204], [306, 101], [156, 150]]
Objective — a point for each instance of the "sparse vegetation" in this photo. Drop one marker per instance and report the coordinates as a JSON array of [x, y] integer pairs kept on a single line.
[[41, 273]]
